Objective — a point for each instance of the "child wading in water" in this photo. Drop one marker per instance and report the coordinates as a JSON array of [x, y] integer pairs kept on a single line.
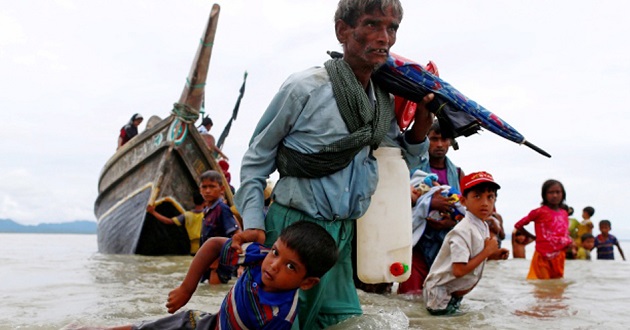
[[459, 264], [551, 223]]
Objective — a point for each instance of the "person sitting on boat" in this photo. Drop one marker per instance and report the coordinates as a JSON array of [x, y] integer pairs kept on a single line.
[[206, 125], [130, 130], [204, 129], [192, 220], [218, 221], [266, 295]]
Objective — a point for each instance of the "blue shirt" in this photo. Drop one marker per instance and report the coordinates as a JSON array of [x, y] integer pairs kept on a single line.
[[304, 116], [218, 221], [247, 305], [605, 247]]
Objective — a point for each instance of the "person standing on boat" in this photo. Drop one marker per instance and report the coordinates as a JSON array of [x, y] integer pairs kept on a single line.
[[204, 129], [319, 132], [130, 130]]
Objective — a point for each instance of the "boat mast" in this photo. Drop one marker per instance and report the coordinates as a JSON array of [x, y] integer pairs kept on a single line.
[[193, 92]]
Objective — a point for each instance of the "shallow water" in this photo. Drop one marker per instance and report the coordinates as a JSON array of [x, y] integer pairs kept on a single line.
[[50, 281]]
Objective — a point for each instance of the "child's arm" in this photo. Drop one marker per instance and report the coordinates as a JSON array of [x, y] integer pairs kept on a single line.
[[245, 236], [620, 251], [161, 218], [207, 254], [501, 231], [490, 247], [530, 236]]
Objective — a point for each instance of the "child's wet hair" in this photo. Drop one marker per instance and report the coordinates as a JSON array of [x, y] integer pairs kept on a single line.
[[605, 222], [547, 185], [313, 244]]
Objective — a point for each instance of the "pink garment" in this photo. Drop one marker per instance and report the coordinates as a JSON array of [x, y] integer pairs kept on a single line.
[[552, 230]]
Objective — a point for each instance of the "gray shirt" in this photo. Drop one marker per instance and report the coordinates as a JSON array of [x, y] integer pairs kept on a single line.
[[463, 242]]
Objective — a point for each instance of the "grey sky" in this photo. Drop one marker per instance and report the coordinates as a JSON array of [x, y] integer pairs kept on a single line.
[[73, 72]]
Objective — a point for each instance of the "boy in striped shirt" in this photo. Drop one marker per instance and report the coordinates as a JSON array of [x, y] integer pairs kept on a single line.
[[265, 296]]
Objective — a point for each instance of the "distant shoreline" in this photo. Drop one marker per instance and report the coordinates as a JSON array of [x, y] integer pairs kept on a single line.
[[74, 227]]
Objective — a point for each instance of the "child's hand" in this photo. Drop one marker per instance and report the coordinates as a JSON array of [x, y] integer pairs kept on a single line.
[[150, 209], [415, 194], [177, 298], [245, 236], [500, 254], [237, 241], [490, 245]]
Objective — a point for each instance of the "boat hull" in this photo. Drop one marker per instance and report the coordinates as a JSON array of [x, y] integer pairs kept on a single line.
[[161, 166]]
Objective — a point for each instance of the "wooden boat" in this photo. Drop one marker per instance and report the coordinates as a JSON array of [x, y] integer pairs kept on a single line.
[[160, 165]]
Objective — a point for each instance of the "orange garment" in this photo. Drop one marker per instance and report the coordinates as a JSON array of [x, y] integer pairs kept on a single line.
[[543, 269]]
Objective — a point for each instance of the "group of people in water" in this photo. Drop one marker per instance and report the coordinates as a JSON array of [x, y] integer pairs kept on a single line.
[[319, 132], [583, 239]]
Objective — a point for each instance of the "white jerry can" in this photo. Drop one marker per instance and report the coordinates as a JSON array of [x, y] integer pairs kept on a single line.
[[384, 231]]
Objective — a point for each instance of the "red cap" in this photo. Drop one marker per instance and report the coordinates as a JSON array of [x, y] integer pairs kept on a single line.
[[476, 178]]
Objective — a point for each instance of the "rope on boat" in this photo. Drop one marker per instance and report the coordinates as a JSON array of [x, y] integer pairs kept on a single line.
[[206, 44], [187, 113]]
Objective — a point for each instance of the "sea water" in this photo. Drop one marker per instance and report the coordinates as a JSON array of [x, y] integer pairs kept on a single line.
[[51, 281]]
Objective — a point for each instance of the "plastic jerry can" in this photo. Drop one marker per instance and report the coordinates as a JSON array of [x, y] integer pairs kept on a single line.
[[384, 231]]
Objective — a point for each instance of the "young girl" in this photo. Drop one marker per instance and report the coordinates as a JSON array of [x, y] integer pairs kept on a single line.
[[551, 222]]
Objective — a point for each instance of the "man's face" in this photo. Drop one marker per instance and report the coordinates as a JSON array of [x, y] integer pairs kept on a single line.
[[366, 46], [438, 145]]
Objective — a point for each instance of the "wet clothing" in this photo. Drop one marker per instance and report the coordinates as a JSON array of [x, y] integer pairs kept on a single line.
[[246, 306], [583, 254], [186, 320], [462, 243], [334, 298], [605, 247], [304, 116], [543, 268], [192, 221], [218, 221], [426, 240], [552, 230]]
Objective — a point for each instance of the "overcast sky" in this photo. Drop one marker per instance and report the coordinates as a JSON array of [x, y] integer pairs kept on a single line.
[[73, 72]]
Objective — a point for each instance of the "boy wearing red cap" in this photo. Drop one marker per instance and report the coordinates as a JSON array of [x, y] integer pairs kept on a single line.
[[459, 264]]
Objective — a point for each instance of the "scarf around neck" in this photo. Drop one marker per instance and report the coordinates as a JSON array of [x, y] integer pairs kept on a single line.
[[367, 125]]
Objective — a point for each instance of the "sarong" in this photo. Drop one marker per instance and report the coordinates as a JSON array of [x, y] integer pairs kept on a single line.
[[543, 268]]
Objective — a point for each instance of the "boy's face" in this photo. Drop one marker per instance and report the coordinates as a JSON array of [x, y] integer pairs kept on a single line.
[[282, 270], [604, 228], [589, 243], [481, 204], [211, 190]]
